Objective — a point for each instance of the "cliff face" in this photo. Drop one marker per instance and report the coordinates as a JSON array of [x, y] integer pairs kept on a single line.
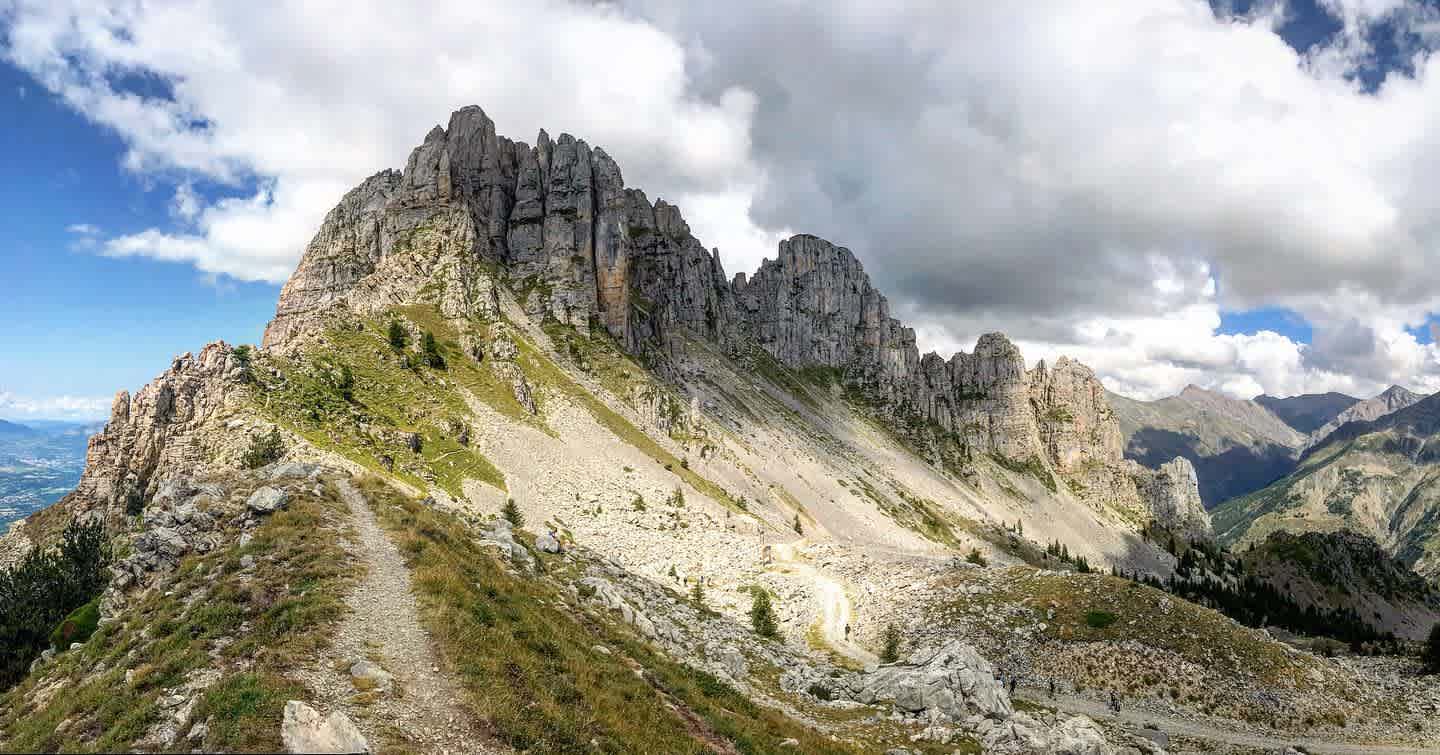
[[557, 225], [156, 433], [556, 218]]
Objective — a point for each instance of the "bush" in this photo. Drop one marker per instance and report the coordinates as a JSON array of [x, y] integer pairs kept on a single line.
[[397, 336], [345, 384], [430, 351], [1431, 654], [890, 644], [762, 613], [244, 354], [977, 558], [45, 587], [78, 626], [697, 594], [799, 530], [512, 514], [263, 450], [820, 692], [1100, 619]]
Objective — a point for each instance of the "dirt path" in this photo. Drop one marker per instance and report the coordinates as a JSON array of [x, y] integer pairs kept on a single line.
[[1197, 730], [835, 610], [423, 709]]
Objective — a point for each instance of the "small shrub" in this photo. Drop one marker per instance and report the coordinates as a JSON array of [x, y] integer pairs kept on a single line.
[[977, 558], [345, 384], [78, 626], [263, 450], [1431, 654], [430, 351], [1100, 619], [697, 593], [762, 613], [799, 530], [512, 514], [397, 336], [890, 644], [639, 503], [244, 354], [820, 692]]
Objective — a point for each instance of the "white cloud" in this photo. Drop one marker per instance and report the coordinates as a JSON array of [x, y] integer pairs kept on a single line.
[[313, 122], [53, 407], [21, 91], [82, 229], [1098, 179]]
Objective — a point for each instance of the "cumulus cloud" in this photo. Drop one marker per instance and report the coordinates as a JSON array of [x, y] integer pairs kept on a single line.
[[53, 407], [1098, 179], [257, 102]]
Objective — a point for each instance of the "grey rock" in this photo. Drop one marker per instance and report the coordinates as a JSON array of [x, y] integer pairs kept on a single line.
[[548, 543], [303, 730], [267, 500], [1155, 736], [367, 675], [947, 683]]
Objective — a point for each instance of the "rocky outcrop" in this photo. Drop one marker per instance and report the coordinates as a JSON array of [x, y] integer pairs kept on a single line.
[[948, 683], [556, 221], [1173, 495], [303, 729], [157, 429], [557, 217]]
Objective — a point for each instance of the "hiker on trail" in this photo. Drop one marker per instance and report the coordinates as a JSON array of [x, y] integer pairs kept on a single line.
[[1012, 685], [1052, 688], [1114, 706], [847, 631]]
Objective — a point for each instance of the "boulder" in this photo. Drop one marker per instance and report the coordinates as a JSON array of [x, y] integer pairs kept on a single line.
[[950, 682], [304, 730], [548, 543], [366, 675], [267, 500]]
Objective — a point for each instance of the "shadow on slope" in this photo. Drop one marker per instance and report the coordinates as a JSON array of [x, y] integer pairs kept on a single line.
[[1236, 472]]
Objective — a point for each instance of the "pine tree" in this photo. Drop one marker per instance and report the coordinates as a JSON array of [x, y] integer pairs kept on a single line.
[[431, 351], [263, 450], [762, 614], [798, 529], [1431, 654], [890, 644], [397, 336], [512, 514], [346, 384]]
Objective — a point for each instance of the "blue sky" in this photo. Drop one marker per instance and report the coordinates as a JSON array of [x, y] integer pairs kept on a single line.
[[84, 325], [116, 112]]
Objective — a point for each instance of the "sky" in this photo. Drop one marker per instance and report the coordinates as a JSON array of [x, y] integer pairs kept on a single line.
[[1238, 195]]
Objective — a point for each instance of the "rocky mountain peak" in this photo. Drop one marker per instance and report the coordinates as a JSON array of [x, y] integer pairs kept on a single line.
[[473, 209]]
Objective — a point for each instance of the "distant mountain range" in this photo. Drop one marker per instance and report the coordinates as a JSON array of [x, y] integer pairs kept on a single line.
[[1239, 446], [1377, 477], [1309, 412]]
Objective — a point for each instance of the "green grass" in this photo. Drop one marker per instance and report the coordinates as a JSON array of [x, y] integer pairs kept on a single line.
[[78, 626], [521, 650], [294, 597], [388, 400], [1100, 619]]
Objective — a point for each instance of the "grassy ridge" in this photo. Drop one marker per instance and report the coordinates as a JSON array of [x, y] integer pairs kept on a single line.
[[524, 653], [272, 621]]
